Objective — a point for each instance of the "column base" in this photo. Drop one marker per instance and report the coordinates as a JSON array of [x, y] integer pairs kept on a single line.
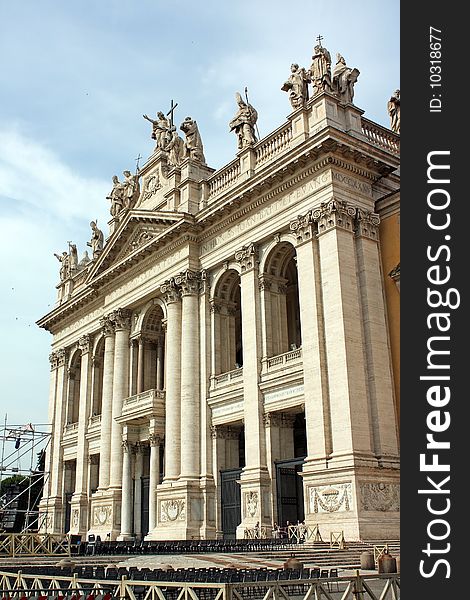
[[105, 514], [180, 512], [363, 503], [255, 486]]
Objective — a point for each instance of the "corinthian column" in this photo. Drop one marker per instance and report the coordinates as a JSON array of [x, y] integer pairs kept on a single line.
[[107, 399], [173, 381], [189, 282], [122, 323]]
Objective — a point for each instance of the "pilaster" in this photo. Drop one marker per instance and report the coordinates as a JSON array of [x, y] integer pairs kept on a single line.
[[255, 482]]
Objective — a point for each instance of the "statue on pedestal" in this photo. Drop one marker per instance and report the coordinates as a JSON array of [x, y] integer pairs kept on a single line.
[[131, 189], [297, 86], [320, 71], [68, 262], [344, 79], [116, 196], [393, 107], [193, 143], [243, 123], [175, 148], [97, 240]]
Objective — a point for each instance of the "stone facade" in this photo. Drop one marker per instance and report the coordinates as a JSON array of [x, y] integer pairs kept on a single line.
[[233, 320]]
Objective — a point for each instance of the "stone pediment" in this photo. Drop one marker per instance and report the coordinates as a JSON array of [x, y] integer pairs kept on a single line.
[[135, 236]]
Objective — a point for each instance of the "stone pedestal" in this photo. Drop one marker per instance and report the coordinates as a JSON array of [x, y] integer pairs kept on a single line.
[[363, 503], [180, 511], [105, 514]]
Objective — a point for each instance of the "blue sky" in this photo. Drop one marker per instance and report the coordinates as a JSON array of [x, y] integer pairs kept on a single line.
[[75, 79]]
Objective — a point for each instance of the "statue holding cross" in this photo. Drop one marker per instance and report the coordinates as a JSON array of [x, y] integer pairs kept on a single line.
[[162, 127], [320, 71]]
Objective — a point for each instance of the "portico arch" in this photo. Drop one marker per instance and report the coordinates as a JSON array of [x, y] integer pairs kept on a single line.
[[280, 300], [73, 391], [226, 312]]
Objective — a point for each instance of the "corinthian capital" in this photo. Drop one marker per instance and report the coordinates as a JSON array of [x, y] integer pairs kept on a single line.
[[84, 343], [189, 282], [302, 227], [247, 257], [121, 318], [334, 214], [170, 291], [107, 326], [367, 224]]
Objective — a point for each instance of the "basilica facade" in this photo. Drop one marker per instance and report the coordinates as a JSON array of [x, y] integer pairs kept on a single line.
[[228, 358]]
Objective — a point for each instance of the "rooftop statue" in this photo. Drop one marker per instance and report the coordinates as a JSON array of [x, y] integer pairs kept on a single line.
[[297, 86], [320, 71], [175, 148], [116, 196], [243, 123], [97, 240], [393, 107], [161, 130], [131, 189], [344, 79], [68, 262], [193, 143]]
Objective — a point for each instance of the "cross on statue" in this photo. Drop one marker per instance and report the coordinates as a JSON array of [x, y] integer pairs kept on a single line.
[[319, 39], [137, 163], [171, 111]]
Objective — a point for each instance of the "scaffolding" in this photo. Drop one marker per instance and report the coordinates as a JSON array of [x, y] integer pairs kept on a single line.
[[23, 450]]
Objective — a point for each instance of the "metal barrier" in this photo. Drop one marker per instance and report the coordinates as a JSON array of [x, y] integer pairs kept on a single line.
[[16, 586], [34, 544]]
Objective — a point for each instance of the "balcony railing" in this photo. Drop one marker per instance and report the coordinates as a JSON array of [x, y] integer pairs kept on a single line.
[[282, 361], [226, 378], [144, 404]]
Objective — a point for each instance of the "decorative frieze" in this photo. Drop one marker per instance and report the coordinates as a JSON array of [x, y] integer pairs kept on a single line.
[[334, 214], [382, 497], [367, 224], [152, 185], [278, 419], [172, 510], [330, 498], [223, 432], [247, 257]]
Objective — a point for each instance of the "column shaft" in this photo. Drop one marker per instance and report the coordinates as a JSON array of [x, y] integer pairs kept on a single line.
[[190, 450], [106, 408], [173, 392], [153, 479], [120, 387], [126, 504]]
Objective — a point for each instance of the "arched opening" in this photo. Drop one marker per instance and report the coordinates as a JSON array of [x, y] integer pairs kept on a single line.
[[97, 395], [280, 298], [227, 343], [149, 353], [73, 398]]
